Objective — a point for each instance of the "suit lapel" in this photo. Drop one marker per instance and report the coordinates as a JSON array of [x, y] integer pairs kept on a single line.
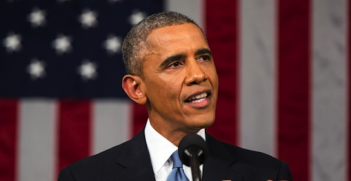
[[137, 163], [136, 160], [218, 164]]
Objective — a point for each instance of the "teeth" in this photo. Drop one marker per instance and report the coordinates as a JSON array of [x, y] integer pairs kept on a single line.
[[199, 97], [199, 100]]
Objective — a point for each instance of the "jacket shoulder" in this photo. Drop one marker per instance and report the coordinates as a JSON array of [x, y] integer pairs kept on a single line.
[[251, 157], [102, 166], [109, 155], [249, 162]]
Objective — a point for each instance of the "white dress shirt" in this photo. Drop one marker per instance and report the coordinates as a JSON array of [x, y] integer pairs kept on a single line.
[[160, 150]]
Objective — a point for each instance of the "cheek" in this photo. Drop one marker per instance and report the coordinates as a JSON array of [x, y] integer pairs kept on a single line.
[[173, 89], [165, 91], [171, 84], [171, 92]]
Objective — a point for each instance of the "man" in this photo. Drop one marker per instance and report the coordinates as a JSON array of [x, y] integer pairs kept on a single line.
[[171, 70]]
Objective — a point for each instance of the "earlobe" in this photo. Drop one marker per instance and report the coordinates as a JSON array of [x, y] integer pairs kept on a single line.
[[131, 84]]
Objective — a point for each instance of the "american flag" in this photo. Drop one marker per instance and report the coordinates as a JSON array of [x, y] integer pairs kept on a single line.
[[284, 81]]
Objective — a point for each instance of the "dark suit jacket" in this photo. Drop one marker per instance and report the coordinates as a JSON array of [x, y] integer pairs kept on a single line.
[[130, 161]]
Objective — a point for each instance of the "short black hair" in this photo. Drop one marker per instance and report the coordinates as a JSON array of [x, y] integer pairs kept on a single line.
[[135, 41]]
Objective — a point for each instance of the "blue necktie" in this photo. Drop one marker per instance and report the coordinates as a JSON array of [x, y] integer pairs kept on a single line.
[[177, 173]]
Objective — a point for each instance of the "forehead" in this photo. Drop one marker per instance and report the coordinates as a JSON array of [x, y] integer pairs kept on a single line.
[[176, 37]]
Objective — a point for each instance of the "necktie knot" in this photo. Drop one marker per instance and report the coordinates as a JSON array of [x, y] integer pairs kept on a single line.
[[176, 161]]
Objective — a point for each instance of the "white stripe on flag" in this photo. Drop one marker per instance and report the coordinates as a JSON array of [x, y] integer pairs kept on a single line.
[[111, 123], [329, 90], [37, 140], [194, 9], [257, 59]]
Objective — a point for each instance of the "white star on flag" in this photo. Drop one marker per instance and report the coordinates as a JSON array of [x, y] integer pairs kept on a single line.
[[36, 69], [136, 17], [37, 17], [88, 18], [113, 1], [62, 44], [87, 70], [12, 42], [113, 44]]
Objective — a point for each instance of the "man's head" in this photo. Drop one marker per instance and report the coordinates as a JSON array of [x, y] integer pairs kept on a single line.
[[135, 41], [178, 80]]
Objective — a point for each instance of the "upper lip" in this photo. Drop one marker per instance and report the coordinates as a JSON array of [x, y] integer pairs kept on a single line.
[[199, 92]]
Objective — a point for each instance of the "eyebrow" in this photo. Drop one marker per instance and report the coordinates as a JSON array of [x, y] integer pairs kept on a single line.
[[181, 56], [171, 59], [203, 51]]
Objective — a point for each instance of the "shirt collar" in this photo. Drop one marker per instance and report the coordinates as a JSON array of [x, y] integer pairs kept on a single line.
[[159, 147]]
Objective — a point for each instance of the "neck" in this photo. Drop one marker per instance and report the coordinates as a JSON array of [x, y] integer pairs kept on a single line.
[[174, 135]]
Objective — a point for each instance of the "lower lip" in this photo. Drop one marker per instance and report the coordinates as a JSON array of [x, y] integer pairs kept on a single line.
[[201, 104]]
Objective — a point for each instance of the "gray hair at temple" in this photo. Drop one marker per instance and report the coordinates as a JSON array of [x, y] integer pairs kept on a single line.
[[135, 41]]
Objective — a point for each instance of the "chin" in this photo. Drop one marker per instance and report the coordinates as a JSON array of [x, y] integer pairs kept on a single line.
[[203, 122]]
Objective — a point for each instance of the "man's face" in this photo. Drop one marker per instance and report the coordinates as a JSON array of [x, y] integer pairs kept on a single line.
[[180, 79]]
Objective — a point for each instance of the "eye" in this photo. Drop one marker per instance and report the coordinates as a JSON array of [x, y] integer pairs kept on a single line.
[[204, 58], [174, 64]]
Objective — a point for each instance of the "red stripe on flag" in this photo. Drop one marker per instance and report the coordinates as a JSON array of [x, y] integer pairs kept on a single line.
[[74, 134], [8, 139], [139, 117], [222, 33], [294, 86], [348, 151]]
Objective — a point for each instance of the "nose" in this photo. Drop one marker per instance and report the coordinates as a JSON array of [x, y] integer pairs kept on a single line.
[[195, 74]]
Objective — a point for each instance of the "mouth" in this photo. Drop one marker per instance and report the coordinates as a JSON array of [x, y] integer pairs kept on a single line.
[[199, 97]]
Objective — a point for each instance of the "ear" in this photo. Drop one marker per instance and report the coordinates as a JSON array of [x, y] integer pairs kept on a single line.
[[132, 86]]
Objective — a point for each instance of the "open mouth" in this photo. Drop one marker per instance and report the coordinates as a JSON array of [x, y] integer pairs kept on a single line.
[[198, 97]]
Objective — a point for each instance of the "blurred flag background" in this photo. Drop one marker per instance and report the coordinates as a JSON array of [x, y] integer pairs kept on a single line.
[[283, 67]]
